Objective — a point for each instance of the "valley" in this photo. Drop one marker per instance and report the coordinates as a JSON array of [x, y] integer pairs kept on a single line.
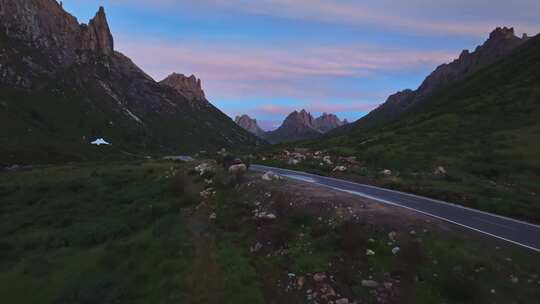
[[118, 187]]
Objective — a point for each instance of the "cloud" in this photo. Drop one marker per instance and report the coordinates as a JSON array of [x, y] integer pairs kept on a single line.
[[315, 107], [470, 18], [243, 70]]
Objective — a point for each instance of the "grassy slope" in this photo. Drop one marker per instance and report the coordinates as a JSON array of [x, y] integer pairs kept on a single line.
[[134, 233], [485, 130], [57, 121]]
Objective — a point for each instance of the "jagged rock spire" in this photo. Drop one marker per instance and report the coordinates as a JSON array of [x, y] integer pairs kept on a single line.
[[98, 34]]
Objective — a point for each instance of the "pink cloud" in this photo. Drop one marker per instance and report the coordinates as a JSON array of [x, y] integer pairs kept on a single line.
[[417, 16], [238, 70]]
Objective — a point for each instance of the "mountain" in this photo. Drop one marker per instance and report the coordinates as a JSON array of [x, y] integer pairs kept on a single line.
[[327, 122], [249, 124], [190, 87], [301, 125], [501, 42], [62, 85], [483, 128]]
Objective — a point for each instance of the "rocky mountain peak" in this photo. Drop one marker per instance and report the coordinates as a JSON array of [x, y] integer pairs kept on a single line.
[[249, 124], [189, 86], [97, 35], [297, 119], [327, 122], [502, 33]]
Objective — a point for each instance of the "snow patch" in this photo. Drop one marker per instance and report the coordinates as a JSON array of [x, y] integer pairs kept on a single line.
[[99, 142], [137, 119]]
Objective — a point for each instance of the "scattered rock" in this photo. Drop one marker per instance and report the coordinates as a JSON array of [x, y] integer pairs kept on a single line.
[[342, 301], [369, 283], [212, 216], [340, 169], [395, 250], [258, 246], [386, 172], [440, 170], [327, 291], [392, 236], [387, 285], [327, 160], [207, 193], [370, 252], [514, 279], [265, 215], [293, 161], [204, 168], [319, 277], [300, 281], [238, 170], [270, 176]]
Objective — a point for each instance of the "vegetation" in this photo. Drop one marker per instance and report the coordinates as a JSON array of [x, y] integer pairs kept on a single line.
[[140, 232], [484, 130]]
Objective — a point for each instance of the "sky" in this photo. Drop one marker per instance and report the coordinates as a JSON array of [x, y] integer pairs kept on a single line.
[[266, 58]]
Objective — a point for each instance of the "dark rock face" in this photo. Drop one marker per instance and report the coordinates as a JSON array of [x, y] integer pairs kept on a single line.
[[249, 124], [97, 35], [301, 125], [501, 42], [54, 64], [190, 87]]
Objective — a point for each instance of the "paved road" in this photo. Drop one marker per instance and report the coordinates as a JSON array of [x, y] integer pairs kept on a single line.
[[514, 231]]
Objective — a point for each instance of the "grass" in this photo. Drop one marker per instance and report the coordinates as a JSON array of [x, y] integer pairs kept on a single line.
[[139, 232], [484, 130]]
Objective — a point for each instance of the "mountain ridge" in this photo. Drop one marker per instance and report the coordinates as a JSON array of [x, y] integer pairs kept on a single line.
[[501, 42], [63, 84]]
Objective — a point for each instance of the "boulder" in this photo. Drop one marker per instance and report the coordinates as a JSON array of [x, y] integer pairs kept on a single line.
[[238, 170], [386, 172], [293, 161], [440, 170], [327, 160], [319, 277], [204, 168]]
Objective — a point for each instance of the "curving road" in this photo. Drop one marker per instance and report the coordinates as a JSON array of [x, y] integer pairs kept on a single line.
[[514, 231]]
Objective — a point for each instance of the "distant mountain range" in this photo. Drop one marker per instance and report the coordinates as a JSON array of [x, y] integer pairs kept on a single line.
[[62, 85], [296, 126]]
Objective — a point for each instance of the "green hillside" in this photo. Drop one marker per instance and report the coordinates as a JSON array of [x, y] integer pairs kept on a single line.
[[485, 130]]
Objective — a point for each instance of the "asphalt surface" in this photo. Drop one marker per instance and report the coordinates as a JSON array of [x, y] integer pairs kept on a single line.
[[514, 231]]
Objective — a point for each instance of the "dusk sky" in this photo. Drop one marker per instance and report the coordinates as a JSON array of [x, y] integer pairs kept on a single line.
[[266, 58]]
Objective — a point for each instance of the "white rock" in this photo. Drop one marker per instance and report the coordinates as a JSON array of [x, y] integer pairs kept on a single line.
[[395, 250], [342, 301], [369, 283], [340, 169], [293, 161], [238, 170], [392, 236], [319, 277], [212, 216], [270, 176], [440, 170], [99, 142], [370, 252], [386, 172], [265, 215]]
